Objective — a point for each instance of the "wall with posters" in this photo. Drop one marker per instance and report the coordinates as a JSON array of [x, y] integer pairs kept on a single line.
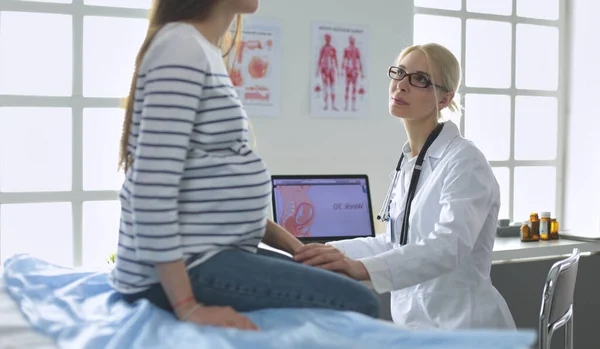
[[297, 141]]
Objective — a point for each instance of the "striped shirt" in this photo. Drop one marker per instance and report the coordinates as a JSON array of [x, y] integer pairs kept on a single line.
[[195, 187]]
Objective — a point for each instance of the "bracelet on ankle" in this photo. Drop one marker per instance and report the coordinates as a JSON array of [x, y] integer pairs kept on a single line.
[[190, 312]]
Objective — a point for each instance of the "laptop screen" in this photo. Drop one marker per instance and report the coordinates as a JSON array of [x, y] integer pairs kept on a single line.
[[323, 208]]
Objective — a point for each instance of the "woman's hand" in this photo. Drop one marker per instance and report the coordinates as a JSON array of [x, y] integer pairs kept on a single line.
[[215, 316], [330, 258]]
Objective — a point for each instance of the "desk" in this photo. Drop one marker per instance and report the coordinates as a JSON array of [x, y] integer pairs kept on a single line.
[[512, 250], [508, 250]]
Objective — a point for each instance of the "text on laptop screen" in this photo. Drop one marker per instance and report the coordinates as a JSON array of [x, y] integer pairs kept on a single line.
[[316, 208]]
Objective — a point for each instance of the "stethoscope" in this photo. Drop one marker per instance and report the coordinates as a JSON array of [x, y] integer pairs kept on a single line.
[[384, 213]]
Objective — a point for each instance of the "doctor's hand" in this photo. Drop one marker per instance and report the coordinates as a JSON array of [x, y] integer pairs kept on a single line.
[[330, 258]]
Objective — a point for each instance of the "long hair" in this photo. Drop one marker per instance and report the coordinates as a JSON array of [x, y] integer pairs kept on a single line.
[[161, 13]]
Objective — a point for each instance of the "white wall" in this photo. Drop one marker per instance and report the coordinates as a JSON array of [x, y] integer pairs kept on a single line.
[[582, 187], [296, 142]]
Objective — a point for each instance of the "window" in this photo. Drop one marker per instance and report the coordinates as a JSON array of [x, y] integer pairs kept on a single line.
[[511, 57], [60, 124]]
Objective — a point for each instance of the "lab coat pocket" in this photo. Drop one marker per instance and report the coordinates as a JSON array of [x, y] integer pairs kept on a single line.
[[451, 309]]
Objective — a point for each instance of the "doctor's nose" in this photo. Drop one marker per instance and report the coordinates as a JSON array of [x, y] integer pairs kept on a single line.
[[402, 85]]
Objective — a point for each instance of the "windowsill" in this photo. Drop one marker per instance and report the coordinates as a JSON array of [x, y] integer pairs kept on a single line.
[[512, 249]]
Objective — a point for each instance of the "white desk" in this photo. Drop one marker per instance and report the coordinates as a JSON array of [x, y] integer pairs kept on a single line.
[[512, 250], [508, 250]]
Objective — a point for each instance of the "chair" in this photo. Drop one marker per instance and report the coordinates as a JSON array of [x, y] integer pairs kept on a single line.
[[557, 301]]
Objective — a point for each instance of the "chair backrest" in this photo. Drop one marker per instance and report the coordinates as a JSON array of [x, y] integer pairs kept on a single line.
[[559, 290]]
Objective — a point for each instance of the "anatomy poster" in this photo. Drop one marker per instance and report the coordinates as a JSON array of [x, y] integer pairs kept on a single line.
[[339, 80], [255, 70]]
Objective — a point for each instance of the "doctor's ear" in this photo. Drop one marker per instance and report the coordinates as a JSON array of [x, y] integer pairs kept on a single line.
[[445, 99]]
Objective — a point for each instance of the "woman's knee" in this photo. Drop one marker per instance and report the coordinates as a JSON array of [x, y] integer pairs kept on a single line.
[[364, 300], [371, 304]]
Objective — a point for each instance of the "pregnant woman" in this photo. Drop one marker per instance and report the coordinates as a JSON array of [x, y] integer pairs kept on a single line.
[[196, 197]]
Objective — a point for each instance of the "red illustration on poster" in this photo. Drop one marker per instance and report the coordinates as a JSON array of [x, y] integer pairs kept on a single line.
[[339, 81], [255, 70]]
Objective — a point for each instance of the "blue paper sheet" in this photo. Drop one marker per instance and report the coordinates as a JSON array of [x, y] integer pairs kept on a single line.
[[79, 310]]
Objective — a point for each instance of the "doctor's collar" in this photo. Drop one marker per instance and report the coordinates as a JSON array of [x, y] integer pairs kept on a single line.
[[441, 143]]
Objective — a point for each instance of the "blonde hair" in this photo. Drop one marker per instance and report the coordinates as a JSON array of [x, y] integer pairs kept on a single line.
[[447, 67], [161, 13]]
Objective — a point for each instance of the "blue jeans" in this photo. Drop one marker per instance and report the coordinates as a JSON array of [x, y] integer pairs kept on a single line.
[[248, 281]]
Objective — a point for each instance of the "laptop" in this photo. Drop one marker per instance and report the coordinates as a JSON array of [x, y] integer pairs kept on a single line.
[[323, 208]]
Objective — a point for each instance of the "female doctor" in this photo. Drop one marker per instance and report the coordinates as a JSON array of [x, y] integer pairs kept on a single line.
[[435, 257]]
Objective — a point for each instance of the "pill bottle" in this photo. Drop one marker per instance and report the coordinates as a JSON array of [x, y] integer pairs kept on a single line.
[[525, 232], [534, 226], [554, 229], [545, 226]]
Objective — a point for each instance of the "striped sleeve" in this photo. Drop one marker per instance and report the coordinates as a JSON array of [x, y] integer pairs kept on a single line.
[[172, 86]]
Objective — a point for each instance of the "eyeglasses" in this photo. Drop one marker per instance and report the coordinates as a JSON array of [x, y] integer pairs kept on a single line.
[[418, 79]]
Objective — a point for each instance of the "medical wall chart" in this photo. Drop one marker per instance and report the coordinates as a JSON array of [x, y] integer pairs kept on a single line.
[[338, 74], [255, 69]]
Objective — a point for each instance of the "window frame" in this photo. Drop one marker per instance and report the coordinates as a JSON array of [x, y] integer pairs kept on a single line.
[[77, 102], [561, 93]]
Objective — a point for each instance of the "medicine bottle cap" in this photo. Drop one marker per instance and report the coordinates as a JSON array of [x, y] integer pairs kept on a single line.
[[545, 214]]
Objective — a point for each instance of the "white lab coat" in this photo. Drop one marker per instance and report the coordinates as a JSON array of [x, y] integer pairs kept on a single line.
[[441, 278]]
